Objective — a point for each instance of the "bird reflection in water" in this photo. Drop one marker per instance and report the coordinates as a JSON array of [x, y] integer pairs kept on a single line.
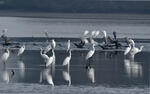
[[6, 75], [46, 75], [21, 67], [90, 73], [66, 76], [133, 69]]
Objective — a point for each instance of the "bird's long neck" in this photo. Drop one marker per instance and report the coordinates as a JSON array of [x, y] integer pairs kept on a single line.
[[93, 48], [41, 51], [8, 52], [140, 48], [53, 52], [70, 53]]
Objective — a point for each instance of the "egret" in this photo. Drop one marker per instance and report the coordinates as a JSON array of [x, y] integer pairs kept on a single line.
[[53, 44], [67, 60], [90, 53], [51, 59], [21, 50], [127, 50], [105, 36], [44, 56], [68, 46], [47, 49], [5, 56], [67, 77]]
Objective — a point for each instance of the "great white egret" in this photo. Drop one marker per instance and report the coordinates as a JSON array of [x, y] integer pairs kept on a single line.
[[5, 56], [127, 50], [53, 44], [47, 49], [68, 46], [21, 50], [44, 56], [90, 53], [51, 59], [67, 60]]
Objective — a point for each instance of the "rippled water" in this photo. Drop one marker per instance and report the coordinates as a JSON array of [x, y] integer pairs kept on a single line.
[[28, 27]]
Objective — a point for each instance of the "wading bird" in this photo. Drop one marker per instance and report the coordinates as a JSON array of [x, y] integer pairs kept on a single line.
[[47, 48], [90, 53], [21, 50], [5, 56], [53, 44]]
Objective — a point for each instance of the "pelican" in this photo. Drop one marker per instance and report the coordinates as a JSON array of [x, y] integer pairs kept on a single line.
[[67, 77], [47, 49], [51, 59], [93, 33], [5, 56], [53, 44], [97, 33], [67, 60], [90, 53], [127, 50], [68, 46], [86, 32], [21, 50]]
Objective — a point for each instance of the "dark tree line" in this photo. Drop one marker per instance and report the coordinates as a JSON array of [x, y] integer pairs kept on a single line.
[[92, 6]]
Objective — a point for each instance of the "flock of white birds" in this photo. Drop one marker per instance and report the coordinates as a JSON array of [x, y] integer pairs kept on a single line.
[[49, 60]]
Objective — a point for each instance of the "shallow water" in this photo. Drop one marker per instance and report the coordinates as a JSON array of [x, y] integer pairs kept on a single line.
[[28, 27]]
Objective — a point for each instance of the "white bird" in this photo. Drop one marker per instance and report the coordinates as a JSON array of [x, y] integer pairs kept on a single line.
[[134, 50], [93, 33], [67, 60], [53, 44], [84, 40], [44, 56], [90, 53], [127, 50], [86, 32], [97, 33], [105, 36], [21, 50], [67, 77], [47, 49], [5, 56], [51, 59], [68, 46], [92, 41]]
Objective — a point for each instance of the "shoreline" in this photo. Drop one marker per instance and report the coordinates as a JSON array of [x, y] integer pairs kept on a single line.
[[119, 16]]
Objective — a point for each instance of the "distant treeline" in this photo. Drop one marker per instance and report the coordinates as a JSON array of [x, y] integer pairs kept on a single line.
[[78, 6]]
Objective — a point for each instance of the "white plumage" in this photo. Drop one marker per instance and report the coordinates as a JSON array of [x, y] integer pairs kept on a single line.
[[97, 33], [93, 33], [53, 44], [21, 50], [67, 59], [90, 53], [5, 56], [47, 49], [86, 32], [68, 46], [44, 56], [51, 59], [127, 50]]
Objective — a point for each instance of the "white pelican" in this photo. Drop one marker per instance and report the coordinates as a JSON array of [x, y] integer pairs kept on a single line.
[[21, 50], [53, 44], [90, 53], [97, 33], [47, 49], [93, 33], [51, 59], [68, 46], [67, 77], [105, 36], [86, 32], [127, 50], [5, 56]]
